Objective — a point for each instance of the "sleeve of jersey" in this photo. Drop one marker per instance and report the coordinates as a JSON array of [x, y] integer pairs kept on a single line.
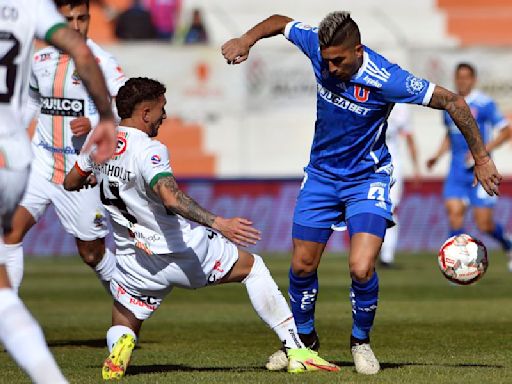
[[498, 121], [83, 164], [154, 163], [303, 36], [114, 75], [403, 87], [49, 20]]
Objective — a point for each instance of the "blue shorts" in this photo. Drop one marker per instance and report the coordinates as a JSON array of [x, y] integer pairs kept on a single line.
[[325, 204], [463, 190]]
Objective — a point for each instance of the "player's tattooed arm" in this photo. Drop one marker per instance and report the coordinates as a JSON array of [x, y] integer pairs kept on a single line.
[[237, 229], [179, 202], [485, 170], [236, 51], [461, 115]]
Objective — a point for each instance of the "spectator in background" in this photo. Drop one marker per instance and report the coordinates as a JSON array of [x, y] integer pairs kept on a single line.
[[135, 24], [165, 16], [196, 33]]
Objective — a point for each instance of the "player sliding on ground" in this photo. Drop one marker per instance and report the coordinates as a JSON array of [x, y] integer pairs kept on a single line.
[[347, 181], [156, 248]]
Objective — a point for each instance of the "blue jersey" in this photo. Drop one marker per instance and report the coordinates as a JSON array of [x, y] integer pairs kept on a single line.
[[487, 116], [350, 129]]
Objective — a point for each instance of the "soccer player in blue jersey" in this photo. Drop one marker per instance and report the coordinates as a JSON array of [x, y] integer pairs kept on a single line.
[[346, 183], [458, 189]]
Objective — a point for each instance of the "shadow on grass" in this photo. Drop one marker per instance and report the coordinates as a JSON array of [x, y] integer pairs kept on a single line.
[[412, 364], [159, 368], [92, 343]]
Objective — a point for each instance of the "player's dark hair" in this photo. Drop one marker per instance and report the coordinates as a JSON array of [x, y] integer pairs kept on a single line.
[[467, 66], [135, 91], [71, 3], [338, 28]]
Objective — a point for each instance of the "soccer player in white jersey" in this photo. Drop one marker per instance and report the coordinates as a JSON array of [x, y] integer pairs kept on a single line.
[[20, 21], [66, 115], [156, 248], [399, 126]]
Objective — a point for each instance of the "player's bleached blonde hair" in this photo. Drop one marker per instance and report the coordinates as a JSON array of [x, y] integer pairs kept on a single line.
[[338, 28]]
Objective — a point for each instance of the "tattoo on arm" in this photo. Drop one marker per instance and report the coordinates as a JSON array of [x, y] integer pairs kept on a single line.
[[184, 205], [462, 117]]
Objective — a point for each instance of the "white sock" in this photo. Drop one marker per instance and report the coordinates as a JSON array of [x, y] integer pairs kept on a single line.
[[105, 269], [24, 340], [270, 304], [115, 332], [13, 254], [387, 252]]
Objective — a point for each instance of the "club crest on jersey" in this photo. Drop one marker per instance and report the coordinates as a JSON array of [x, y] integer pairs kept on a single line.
[[76, 78], [414, 84], [121, 146], [156, 159], [361, 93], [43, 57]]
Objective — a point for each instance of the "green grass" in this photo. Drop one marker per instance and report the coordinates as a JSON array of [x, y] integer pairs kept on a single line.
[[426, 330]]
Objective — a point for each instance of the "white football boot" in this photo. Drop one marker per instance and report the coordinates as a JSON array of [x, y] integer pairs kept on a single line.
[[364, 359]]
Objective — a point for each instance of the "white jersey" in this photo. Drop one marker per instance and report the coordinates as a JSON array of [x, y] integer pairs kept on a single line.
[[20, 21], [62, 97], [139, 217], [399, 122]]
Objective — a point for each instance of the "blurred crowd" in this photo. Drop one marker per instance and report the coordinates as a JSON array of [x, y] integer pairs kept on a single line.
[[155, 19]]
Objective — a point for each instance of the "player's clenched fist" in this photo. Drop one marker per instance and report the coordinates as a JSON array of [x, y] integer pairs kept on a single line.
[[236, 51], [239, 230], [80, 126]]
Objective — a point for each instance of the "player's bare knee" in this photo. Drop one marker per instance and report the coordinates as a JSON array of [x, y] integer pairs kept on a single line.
[[91, 254], [361, 272], [13, 236], [303, 267]]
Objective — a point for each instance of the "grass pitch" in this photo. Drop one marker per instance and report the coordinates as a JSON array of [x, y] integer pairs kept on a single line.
[[426, 330]]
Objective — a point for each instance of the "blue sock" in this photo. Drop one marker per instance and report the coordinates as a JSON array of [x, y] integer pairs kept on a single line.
[[303, 292], [364, 298], [499, 235], [455, 232]]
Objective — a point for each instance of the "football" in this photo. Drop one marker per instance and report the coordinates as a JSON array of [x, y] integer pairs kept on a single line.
[[463, 259]]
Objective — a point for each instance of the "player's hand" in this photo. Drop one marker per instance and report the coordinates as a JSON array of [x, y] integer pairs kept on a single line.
[[91, 180], [236, 51], [239, 230], [487, 174], [102, 141], [431, 162], [80, 126]]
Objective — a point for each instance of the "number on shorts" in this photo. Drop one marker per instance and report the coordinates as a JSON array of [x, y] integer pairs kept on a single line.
[[112, 191], [376, 193], [9, 51]]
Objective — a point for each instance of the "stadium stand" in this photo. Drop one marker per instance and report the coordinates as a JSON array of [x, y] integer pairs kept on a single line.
[[489, 21]]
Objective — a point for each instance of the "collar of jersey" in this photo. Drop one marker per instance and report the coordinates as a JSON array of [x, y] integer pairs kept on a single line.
[[363, 66]]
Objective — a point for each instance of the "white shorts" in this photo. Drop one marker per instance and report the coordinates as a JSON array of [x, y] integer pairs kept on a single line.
[[80, 212], [12, 186], [141, 281]]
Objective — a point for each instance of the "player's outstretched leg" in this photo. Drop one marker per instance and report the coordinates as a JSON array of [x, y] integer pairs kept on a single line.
[[272, 308], [23, 338], [121, 340]]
